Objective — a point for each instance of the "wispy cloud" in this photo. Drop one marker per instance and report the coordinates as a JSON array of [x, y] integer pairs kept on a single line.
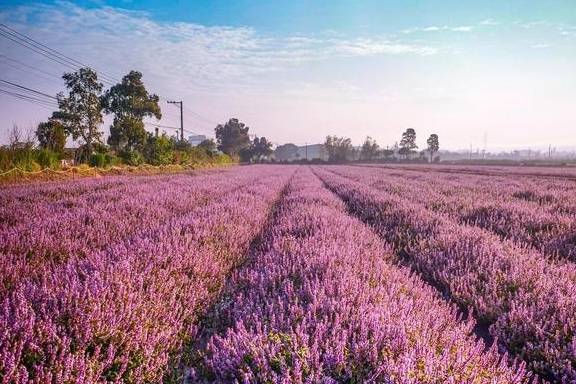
[[490, 22], [217, 54], [540, 46], [439, 28]]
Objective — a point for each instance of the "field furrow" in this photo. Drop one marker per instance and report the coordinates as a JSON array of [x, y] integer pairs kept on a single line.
[[552, 233], [528, 300], [89, 225], [123, 314], [320, 301]]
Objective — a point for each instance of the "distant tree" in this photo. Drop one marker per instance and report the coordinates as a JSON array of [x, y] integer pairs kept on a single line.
[[286, 152], [338, 148], [433, 145], [261, 148], [232, 137], [81, 111], [408, 142], [387, 153], [208, 145], [130, 103], [52, 135], [369, 149]]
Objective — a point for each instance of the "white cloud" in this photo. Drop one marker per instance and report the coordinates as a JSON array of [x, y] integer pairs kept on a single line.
[[437, 28], [464, 28], [123, 39], [489, 22]]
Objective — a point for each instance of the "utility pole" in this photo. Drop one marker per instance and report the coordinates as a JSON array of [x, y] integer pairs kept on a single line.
[[306, 151], [181, 118]]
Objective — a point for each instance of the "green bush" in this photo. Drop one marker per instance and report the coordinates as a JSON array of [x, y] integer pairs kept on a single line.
[[158, 150], [97, 160], [112, 160], [47, 158], [27, 164], [103, 160], [132, 157]]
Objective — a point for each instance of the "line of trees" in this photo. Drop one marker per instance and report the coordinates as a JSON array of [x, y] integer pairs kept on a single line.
[[81, 109], [233, 139], [340, 149]]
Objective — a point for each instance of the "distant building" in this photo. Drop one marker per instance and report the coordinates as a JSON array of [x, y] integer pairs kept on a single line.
[[196, 139], [292, 152]]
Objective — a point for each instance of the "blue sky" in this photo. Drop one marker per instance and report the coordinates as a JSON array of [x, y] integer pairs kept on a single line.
[[299, 70]]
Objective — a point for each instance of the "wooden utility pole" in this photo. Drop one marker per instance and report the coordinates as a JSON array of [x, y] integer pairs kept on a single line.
[[181, 118]]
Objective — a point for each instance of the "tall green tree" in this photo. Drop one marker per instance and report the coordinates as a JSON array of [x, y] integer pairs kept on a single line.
[[433, 145], [80, 112], [408, 142], [369, 149], [261, 148], [52, 135], [232, 137], [130, 103], [338, 148]]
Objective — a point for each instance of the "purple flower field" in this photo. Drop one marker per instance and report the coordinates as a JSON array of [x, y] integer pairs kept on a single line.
[[291, 274]]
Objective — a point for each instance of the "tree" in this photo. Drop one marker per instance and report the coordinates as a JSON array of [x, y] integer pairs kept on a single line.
[[52, 135], [232, 137], [338, 148], [369, 149], [208, 145], [387, 153], [130, 103], [408, 142], [433, 145], [261, 148], [286, 152], [81, 111]]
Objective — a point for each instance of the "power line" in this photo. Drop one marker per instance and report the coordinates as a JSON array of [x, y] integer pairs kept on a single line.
[[42, 73], [57, 53], [23, 95], [161, 126], [31, 99], [69, 62], [28, 89], [50, 53]]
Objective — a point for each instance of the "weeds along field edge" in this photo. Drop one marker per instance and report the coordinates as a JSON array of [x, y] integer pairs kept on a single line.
[[125, 315], [527, 299], [320, 301]]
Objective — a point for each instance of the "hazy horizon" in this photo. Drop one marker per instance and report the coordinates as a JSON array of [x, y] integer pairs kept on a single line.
[[297, 72]]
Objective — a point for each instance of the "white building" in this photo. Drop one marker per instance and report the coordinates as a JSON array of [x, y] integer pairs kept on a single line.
[[196, 139]]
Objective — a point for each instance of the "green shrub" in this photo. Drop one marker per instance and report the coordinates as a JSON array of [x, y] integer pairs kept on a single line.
[[5, 159], [158, 150], [97, 160], [132, 157], [47, 158], [28, 165], [112, 160]]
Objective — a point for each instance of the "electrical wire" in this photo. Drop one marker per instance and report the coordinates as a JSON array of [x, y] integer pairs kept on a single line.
[[28, 89], [69, 62], [52, 54]]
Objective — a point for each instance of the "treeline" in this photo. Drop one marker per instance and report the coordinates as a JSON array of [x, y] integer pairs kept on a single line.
[[80, 117], [233, 139], [340, 149]]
